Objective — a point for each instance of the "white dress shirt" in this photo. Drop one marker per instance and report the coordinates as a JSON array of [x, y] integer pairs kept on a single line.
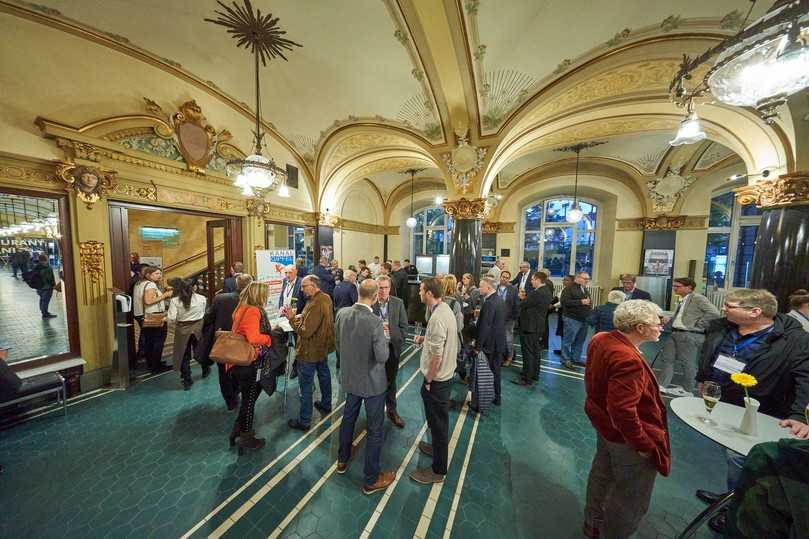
[[178, 312], [524, 279], [677, 323]]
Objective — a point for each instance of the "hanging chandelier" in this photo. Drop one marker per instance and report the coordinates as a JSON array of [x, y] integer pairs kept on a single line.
[[690, 130], [411, 221], [574, 214], [256, 174], [761, 66]]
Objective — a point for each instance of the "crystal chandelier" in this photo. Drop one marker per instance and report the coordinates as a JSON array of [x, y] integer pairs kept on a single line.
[[411, 221], [574, 214], [761, 66], [255, 175]]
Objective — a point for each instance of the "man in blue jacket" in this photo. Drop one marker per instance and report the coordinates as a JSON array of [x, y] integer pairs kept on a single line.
[[324, 273], [345, 293]]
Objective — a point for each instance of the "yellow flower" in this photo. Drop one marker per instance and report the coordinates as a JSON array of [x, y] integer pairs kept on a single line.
[[743, 379]]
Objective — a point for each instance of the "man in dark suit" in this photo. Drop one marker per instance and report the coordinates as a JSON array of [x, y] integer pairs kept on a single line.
[[345, 293], [323, 272], [508, 293], [491, 327], [628, 287], [394, 316], [219, 317], [411, 270], [230, 282], [524, 278], [399, 278], [291, 291], [576, 305], [533, 314]]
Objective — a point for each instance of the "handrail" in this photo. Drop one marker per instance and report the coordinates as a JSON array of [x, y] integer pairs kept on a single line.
[[192, 258]]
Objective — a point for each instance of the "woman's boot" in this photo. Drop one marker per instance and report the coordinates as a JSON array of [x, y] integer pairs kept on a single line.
[[248, 440]]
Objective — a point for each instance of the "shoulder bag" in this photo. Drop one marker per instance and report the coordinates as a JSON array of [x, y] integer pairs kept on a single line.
[[152, 320], [231, 347]]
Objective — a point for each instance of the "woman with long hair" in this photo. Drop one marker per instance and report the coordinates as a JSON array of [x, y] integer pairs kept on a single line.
[[186, 311], [154, 337], [250, 320]]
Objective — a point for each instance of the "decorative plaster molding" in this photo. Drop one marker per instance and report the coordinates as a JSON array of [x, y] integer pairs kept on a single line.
[[667, 190], [358, 226], [665, 222], [89, 183], [466, 209], [18, 172], [94, 282], [132, 191], [464, 163], [491, 227], [279, 214], [787, 190]]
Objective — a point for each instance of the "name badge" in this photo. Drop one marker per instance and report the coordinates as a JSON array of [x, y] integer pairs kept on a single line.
[[728, 364]]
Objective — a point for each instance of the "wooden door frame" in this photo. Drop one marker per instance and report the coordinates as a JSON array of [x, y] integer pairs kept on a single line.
[[66, 250], [225, 225]]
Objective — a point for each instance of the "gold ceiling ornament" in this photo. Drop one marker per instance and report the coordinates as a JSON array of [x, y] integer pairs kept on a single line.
[[664, 222], [90, 183], [144, 192], [328, 219], [464, 163], [257, 207], [666, 190], [787, 190], [466, 209], [91, 259]]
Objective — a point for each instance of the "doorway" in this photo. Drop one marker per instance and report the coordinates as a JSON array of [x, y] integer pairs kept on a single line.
[[196, 246]]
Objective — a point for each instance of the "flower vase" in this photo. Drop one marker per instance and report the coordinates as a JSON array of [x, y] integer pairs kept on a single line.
[[749, 424]]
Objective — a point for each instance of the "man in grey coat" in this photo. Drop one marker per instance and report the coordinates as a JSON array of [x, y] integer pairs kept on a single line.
[[363, 349], [394, 318], [687, 326]]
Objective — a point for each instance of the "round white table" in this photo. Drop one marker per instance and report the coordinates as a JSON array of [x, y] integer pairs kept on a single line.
[[727, 417], [725, 432]]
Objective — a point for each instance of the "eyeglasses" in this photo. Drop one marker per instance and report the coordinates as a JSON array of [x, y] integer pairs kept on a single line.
[[728, 307]]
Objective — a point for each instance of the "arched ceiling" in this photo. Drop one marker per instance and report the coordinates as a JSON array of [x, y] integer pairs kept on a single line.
[[380, 85]]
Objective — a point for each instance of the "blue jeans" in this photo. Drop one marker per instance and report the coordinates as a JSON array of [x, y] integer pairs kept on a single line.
[[573, 339], [306, 380], [375, 416], [735, 465], [44, 299]]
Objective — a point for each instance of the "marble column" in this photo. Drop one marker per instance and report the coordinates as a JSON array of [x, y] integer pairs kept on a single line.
[[781, 261], [467, 235]]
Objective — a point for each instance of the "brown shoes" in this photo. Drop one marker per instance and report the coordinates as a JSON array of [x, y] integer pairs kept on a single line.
[[394, 417], [382, 482], [248, 440]]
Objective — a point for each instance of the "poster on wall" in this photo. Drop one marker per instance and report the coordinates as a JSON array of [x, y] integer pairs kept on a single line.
[[658, 261], [327, 251], [270, 265]]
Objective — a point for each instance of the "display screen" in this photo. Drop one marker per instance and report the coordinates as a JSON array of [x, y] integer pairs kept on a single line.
[[424, 264], [169, 236], [442, 264]]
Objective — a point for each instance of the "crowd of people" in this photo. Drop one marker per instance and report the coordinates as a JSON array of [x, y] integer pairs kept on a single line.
[[361, 313]]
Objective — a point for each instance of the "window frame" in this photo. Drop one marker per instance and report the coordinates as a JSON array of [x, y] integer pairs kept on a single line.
[[424, 229], [543, 225], [737, 221]]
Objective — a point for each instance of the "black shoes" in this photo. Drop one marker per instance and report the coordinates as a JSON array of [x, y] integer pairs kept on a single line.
[[48, 315], [710, 497], [496, 402], [297, 425], [322, 409], [206, 371], [719, 522], [187, 384]]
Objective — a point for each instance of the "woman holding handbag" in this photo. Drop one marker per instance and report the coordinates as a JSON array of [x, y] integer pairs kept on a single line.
[[186, 311], [250, 320], [154, 320]]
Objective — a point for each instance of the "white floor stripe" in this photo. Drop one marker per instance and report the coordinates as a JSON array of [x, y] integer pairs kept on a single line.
[[435, 490], [554, 370], [409, 355], [457, 498], [302, 503], [369, 527]]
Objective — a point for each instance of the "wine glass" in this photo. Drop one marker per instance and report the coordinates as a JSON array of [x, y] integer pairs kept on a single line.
[[711, 393], [418, 334]]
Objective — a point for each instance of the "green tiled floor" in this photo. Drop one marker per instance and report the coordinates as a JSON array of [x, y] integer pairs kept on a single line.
[[153, 462]]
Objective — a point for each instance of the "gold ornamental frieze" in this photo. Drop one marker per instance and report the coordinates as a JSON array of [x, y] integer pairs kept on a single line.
[[466, 209], [492, 227], [787, 190], [91, 259]]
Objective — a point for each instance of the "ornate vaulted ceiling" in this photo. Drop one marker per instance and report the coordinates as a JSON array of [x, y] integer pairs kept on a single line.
[[382, 85]]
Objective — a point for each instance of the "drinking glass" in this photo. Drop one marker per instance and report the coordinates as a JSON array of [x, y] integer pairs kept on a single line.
[[806, 412], [711, 393], [418, 334]]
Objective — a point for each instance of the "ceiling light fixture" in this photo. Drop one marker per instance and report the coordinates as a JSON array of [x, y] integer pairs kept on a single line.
[[759, 67], [690, 130], [439, 200], [411, 221], [574, 214], [255, 175]]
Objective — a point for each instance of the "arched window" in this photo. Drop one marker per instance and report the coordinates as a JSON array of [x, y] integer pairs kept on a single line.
[[549, 241], [732, 231], [432, 234]]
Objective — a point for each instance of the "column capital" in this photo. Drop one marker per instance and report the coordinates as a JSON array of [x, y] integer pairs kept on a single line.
[[787, 190], [464, 208]]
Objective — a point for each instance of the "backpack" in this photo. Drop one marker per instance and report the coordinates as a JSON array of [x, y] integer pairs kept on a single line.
[[33, 278]]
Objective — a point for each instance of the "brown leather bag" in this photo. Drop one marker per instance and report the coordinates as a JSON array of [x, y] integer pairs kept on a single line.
[[233, 348]]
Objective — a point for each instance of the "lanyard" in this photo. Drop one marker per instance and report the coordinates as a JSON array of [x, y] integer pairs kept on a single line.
[[749, 341], [383, 311], [502, 292]]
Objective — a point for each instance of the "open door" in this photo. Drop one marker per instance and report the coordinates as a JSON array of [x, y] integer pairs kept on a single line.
[[220, 255]]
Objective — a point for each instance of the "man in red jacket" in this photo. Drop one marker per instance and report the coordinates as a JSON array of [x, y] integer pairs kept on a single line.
[[624, 406]]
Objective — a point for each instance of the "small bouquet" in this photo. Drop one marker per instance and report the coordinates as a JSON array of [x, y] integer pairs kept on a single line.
[[745, 380]]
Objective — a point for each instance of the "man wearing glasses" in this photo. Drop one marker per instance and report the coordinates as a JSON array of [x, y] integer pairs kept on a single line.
[[754, 338], [687, 327], [575, 300], [523, 279]]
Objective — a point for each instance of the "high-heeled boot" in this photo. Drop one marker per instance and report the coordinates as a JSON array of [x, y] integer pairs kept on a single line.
[[234, 433], [248, 440]]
